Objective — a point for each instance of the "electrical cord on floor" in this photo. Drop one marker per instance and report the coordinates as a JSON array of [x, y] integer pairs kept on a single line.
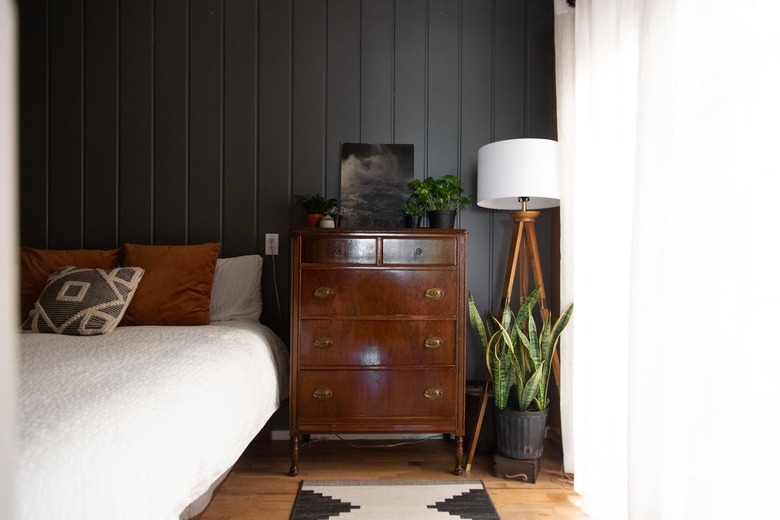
[[565, 480], [371, 446], [276, 290]]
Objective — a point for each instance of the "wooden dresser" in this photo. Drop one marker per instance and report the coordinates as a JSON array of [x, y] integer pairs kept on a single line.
[[377, 333]]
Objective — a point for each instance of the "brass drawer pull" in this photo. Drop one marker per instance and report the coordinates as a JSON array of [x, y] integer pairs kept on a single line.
[[434, 342], [433, 393], [323, 342], [434, 294], [418, 251], [323, 292], [323, 393]]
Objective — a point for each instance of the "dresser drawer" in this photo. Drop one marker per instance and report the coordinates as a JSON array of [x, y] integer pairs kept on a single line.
[[419, 251], [376, 342], [338, 250], [359, 292], [377, 393]]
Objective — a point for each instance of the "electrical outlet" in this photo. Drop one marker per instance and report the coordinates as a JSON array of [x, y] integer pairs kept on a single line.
[[272, 243]]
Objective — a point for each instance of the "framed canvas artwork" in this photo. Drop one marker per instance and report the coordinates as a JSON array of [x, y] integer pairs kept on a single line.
[[374, 184]]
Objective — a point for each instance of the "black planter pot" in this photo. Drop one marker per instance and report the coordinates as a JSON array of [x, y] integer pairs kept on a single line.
[[411, 221], [520, 435], [442, 218]]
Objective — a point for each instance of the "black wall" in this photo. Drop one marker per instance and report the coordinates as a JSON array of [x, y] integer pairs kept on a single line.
[[185, 121]]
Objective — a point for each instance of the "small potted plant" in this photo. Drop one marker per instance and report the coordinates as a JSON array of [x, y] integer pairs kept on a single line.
[[314, 206], [519, 358], [327, 221], [413, 210], [442, 198]]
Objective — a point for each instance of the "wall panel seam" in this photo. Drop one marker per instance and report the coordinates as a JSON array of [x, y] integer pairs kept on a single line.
[[117, 148], [222, 127], [426, 83], [152, 128], [526, 72], [83, 155], [392, 73], [187, 129], [256, 138], [47, 173], [360, 72], [326, 83]]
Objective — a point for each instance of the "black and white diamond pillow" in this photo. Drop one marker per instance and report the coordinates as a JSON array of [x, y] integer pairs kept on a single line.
[[83, 302]]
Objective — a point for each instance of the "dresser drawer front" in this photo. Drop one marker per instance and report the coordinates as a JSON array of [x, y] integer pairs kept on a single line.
[[361, 292], [377, 393], [419, 251], [376, 342], [336, 250]]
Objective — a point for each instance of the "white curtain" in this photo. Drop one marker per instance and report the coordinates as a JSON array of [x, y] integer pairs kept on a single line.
[[668, 114], [9, 253]]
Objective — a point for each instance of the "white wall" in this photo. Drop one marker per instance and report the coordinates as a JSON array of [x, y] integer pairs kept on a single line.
[[8, 252]]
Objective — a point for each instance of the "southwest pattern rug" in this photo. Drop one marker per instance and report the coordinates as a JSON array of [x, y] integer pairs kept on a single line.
[[393, 499]]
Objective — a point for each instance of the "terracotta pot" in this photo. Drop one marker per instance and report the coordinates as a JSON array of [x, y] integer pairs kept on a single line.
[[312, 219]]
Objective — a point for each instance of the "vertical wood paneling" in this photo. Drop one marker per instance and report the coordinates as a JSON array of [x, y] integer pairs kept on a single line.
[[274, 98], [509, 114], [101, 85], [308, 116], [509, 54], [540, 38], [376, 71], [476, 131], [171, 104], [343, 84], [274, 155], [206, 130], [443, 88], [189, 121], [33, 123], [136, 121], [411, 79], [239, 229], [66, 166]]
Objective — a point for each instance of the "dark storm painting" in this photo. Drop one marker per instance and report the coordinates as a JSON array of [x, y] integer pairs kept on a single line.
[[374, 184]]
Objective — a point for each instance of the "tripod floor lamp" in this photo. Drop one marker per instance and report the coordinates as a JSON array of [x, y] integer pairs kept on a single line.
[[519, 176]]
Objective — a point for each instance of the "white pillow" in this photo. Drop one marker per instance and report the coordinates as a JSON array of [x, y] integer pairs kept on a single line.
[[235, 294]]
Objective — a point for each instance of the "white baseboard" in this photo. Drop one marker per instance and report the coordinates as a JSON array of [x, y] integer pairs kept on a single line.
[[284, 435]]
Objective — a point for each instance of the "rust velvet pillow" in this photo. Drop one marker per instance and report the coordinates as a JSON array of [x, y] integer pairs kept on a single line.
[[36, 265], [176, 289]]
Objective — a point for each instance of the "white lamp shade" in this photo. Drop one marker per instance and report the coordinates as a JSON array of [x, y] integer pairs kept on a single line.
[[507, 170]]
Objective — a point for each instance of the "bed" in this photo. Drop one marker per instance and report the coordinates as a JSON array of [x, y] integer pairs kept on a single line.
[[145, 420]]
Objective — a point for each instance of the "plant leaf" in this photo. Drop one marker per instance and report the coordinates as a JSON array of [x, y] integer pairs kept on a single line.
[[531, 390], [476, 322]]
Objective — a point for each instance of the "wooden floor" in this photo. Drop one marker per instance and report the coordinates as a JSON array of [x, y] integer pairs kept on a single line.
[[260, 487]]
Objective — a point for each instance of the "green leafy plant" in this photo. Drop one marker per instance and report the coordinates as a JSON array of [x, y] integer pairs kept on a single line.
[[413, 207], [439, 194], [518, 355], [315, 203]]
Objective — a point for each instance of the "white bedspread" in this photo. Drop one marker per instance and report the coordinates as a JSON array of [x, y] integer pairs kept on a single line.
[[139, 423]]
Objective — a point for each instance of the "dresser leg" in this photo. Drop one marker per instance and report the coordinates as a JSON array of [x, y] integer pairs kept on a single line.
[[459, 455], [293, 455]]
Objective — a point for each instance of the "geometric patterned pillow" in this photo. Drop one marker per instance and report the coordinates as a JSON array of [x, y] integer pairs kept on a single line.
[[83, 302]]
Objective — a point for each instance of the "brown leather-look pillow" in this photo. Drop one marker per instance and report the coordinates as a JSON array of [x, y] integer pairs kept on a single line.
[[36, 265], [176, 289]]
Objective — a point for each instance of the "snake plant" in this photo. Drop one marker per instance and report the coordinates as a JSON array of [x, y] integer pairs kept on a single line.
[[518, 355]]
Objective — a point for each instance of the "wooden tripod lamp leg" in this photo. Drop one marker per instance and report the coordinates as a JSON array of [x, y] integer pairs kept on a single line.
[[478, 426], [536, 267], [509, 281], [523, 249]]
